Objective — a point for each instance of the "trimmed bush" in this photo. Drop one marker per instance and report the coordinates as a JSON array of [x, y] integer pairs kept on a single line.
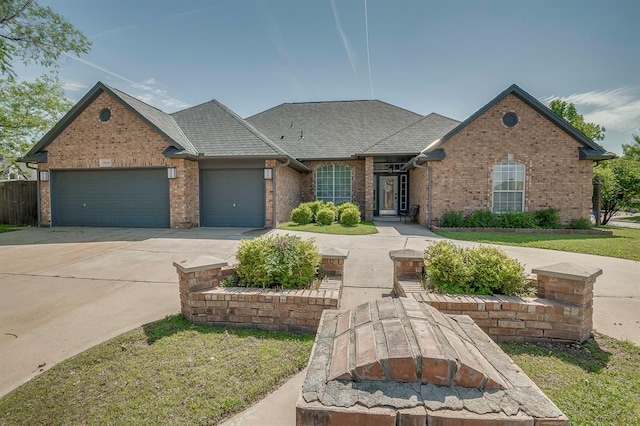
[[315, 207], [347, 204], [350, 216], [279, 260], [452, 220], [302, 214], [582, 223], [326, 216], [481, 270], [482, 219], [518, 220], [547, 218]]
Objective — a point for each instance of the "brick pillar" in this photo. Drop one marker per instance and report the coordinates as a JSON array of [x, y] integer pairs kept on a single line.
[[201, 273], [407, 264], [333, 261], [270, 196], [573, 284], [368, 188]]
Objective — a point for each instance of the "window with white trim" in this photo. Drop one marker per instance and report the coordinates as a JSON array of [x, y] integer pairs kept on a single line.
[[333, 183], [508, 187]]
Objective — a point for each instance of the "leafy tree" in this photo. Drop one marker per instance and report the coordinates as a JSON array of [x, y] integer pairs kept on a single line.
[[37, 35], [632, 150], [27, 110], [571, 115], [620, 180]]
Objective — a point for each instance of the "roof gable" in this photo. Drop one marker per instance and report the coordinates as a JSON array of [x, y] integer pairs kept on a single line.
[[331, 130], [159, 121]]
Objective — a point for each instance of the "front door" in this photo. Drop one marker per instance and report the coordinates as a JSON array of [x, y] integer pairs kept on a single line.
[[388, 195]]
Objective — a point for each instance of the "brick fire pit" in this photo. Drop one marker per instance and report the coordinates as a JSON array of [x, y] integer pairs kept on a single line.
[[401, 362]]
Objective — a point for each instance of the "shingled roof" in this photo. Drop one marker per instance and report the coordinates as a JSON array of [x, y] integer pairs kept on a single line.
[[412, 139], [332, 130]]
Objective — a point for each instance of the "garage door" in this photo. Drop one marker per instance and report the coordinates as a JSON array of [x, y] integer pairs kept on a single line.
[[115, 197], [232, 198]]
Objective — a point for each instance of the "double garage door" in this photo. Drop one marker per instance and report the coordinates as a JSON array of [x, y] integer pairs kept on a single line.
[[125, 198], [232, 198]]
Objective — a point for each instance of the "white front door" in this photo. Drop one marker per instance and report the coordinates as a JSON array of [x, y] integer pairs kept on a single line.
[[388, 198]]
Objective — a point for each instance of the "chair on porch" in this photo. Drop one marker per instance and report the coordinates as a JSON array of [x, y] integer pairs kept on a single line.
[[412, 213]]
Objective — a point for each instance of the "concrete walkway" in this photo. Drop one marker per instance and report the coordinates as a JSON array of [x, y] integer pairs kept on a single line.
[[368, 276]]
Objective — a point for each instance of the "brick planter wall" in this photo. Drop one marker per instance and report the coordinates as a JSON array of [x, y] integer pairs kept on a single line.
[[562, 312], [203, 301]]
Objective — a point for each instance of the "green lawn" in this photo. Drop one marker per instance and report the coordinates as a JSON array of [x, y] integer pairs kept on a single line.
[[629, 218], [363, 228], [624, 243], [7, 228], [596, 383], [167, 372]]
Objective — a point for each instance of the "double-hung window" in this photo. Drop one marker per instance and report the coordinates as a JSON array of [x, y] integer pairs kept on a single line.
[[333, 183], [508, 187]]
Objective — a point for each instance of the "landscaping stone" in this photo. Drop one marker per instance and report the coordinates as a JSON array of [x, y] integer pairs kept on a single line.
[[400, 362]]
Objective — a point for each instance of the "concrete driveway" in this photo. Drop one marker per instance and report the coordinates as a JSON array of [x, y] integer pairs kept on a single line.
[[64, 290]]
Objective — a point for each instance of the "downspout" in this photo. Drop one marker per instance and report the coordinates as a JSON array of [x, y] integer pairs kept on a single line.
[[428, 169], [273, 192], [37, 189]]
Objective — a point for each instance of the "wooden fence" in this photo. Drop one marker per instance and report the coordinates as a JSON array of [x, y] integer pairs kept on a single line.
[[18, 203]]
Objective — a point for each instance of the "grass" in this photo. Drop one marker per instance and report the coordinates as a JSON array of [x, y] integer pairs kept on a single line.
[[7, 228], [166, 372], [629, 219], [596, 383], [624, 243], [363, 228]]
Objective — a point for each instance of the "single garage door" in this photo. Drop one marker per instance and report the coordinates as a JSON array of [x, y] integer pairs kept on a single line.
[[117, 197], [232, 198]]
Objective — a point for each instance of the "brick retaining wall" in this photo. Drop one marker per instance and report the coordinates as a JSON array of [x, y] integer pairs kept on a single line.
[[562, 312], [203, 301]]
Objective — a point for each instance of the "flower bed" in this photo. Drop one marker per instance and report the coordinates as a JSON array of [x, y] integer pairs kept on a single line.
[[562, 231]]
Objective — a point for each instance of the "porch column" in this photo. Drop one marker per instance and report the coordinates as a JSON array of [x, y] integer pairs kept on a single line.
[[368, 188]]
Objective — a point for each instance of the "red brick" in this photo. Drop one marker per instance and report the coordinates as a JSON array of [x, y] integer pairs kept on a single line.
[[402, 365], [510, 324], [367, 367], [545, 325]]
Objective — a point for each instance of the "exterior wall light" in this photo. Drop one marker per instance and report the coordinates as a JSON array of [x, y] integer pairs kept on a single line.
[[44, 175], [172, 173], [268, 174]]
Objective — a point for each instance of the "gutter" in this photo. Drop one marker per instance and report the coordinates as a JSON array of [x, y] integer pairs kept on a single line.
[[428, 169], [274, 203], [37, 189]]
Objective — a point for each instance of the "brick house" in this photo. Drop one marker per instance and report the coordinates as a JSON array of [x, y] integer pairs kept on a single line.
[[115, 161]]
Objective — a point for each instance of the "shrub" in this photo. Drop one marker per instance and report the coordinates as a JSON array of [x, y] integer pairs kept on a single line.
[[518, 220], [284, 260], [480, 270], [350, 216], [483, 219], [315, 207], [452, 220], [582, 223], [346, 205], [547, 218], [326, 216], [302, 214]]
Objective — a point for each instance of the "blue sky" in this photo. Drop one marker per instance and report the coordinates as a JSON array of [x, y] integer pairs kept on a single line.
[[449, 57]]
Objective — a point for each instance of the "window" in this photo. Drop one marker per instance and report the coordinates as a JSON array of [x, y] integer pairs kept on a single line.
[[333, 183], [508, 187]]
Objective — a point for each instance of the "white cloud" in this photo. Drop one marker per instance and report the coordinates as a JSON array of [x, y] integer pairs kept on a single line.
[[615, 109], [73, 86], [345, 40]]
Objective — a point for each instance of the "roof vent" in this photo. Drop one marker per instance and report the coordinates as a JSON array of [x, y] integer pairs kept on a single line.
[[510, 119]]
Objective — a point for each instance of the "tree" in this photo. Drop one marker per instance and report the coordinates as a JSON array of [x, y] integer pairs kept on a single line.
[[38, 35], [620, 179], [27, 110], [632, 150], [570, 114], [35, 34]]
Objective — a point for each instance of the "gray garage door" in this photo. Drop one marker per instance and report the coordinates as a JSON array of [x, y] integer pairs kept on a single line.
[[115, 197], [232, 198]]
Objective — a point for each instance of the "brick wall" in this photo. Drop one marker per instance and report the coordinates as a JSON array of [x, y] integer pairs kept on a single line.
[[288, 192], [563, 310], [368, 189], [203, 301], [555, 177], [358, 185], [128, 142], [418, 192]]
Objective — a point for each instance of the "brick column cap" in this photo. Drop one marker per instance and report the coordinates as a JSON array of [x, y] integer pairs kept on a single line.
[[569, 271], [199, 263], [334, 253], [406, 254]]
